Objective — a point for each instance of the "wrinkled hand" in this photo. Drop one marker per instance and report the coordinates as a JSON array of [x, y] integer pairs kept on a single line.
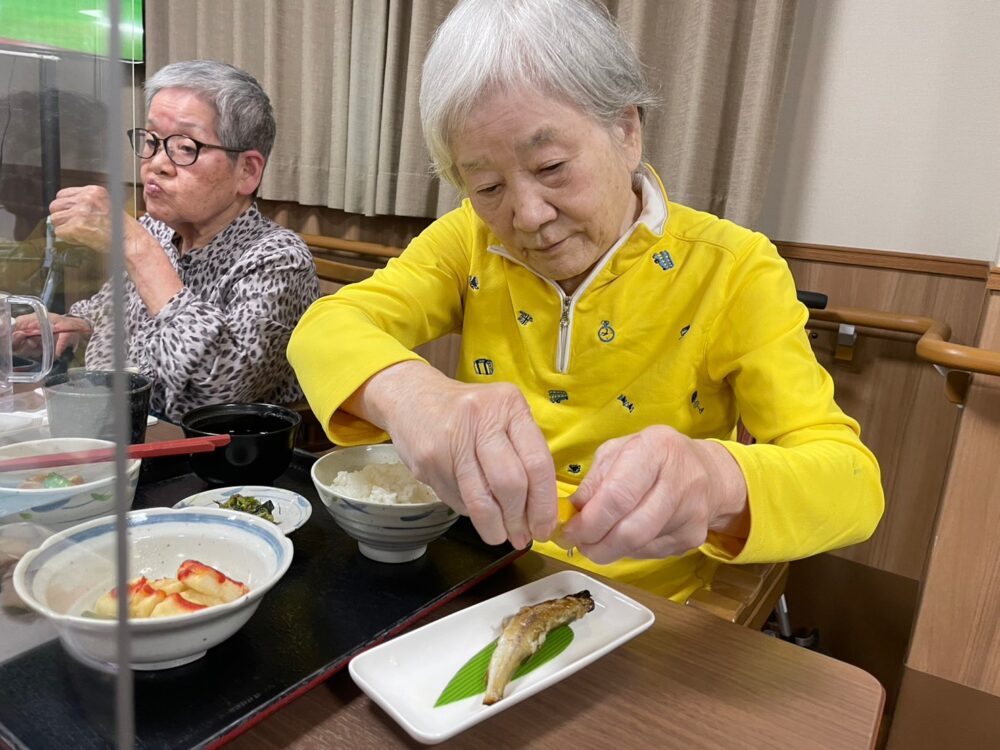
[[26, 337], [654, 494], [480, 449], [82, 216]]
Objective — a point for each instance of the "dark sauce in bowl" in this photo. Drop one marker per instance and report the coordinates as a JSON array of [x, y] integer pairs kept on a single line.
[[241, 424]]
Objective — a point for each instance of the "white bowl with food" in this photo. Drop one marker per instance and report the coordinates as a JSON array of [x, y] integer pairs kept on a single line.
[[375, 499], [228, 557], [62, 496]]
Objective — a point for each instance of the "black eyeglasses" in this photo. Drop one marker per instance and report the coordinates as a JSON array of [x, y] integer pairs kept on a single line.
[[182, 150]]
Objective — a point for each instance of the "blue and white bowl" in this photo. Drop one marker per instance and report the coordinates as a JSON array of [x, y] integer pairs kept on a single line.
[[60, 508], [386, 532], [63, 578]]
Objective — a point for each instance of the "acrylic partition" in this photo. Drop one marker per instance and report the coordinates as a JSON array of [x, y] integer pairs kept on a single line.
[[64, 102]]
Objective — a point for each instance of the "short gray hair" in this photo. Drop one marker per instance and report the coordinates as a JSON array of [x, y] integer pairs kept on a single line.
[[569, 49], [244, 119]]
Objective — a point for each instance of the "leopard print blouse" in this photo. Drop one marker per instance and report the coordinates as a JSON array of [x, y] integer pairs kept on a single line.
[[223, 336]]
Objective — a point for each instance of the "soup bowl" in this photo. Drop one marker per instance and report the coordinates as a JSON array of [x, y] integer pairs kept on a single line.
[[263, 439]]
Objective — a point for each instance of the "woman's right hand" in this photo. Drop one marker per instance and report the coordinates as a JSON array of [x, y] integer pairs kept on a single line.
[[26, 335], [476, 445]]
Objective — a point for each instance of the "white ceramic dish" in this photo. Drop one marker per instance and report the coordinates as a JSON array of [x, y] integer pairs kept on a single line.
[[291, 510], [64, 577], [406, 675], [62, 507], [386, 532]]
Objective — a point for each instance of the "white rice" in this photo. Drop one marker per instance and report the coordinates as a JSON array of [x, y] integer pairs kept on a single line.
[[383, 483]]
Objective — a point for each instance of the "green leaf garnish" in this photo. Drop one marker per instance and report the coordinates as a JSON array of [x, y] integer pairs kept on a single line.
[[55, 480], [470, 680], [248, 504]]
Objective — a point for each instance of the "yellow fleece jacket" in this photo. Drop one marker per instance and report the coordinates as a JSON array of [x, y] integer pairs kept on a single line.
[[692, 322]]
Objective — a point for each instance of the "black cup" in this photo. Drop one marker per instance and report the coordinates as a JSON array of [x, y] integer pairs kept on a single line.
[[263, 438], [80, 403]]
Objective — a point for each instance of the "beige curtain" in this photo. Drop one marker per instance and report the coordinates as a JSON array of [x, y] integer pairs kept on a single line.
[[719, 67], [343, 76]]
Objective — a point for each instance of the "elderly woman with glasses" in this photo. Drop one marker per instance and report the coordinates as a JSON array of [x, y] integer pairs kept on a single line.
[[611, 338], [214, 288]]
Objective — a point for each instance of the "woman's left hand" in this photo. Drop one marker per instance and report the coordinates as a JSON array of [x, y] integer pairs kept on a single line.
[[654, 494]]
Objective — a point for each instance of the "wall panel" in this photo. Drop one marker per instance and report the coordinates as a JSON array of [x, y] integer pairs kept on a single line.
[[951, 686], [898, 399], [957, 636]]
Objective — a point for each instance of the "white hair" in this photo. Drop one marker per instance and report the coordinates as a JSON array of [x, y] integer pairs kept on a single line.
[[568, 49], [245, 119]]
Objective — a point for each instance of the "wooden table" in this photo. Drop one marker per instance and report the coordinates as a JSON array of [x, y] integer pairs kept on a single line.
[[691, 681]]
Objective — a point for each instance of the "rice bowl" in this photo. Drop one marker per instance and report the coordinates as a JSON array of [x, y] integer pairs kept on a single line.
[[390, 532]]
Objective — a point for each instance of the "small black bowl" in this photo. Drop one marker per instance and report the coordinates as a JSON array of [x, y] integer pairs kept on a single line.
[[263, 436]]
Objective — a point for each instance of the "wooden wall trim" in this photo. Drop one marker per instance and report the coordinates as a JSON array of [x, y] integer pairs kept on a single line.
[[993, 282], [855, 256]]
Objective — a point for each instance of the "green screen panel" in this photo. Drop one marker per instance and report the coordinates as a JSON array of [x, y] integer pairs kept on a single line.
[[75, 25]]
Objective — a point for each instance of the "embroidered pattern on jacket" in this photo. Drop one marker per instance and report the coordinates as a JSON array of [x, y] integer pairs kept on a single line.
[[524, 318], [697, 404], [684, 331], [483, 366], [626, 403], [557, 397], [474, 283], [574, 468], [606, 333], [663, 260]]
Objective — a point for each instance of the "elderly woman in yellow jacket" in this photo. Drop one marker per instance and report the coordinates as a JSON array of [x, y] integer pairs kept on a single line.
[[611, 338]]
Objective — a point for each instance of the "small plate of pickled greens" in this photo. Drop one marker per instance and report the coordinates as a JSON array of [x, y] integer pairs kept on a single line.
[[288, 510], [433, 680]]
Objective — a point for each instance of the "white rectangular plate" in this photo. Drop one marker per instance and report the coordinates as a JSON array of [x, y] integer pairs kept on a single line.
[[406, 675]]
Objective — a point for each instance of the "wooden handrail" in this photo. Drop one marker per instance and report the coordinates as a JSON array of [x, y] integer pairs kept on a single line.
[[933, 345], [341, 273], [350, 246]]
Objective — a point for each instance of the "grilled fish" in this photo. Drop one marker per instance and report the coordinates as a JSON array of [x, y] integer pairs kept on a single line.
[[524, 633]]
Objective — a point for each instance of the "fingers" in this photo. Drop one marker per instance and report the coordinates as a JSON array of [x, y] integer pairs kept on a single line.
[[506, 483], [541, 501], [647, 495], [604, 459], [25, 335], [81, 215], [622, 475], [90, 195], [477, 446], [483, 510], [26, 324], [28, 330], [657, 527], [69, 324], [66, 341]]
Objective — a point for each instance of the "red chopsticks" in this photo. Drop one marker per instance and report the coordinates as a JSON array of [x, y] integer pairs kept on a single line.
[[97, 455]]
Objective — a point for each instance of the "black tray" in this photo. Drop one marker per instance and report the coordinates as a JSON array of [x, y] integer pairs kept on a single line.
[[330, 605]]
